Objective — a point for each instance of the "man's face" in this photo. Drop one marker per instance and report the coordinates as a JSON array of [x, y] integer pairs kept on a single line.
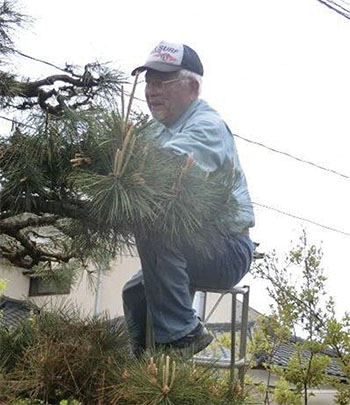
[[167, 96]]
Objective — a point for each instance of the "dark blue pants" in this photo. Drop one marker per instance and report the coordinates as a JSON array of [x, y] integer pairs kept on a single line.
[[169, 278]]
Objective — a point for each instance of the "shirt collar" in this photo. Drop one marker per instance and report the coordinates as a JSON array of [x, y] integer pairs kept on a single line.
[[185, 115]]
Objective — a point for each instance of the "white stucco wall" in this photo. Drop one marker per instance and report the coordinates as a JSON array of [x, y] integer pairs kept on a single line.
[[113, 281], [17, 285], [83, 293]]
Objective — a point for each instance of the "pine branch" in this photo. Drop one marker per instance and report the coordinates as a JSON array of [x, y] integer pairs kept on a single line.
[[10, 20], [68, 91], [14, 225], [61, 208], [102, 175], [127, 193], [26, 252]]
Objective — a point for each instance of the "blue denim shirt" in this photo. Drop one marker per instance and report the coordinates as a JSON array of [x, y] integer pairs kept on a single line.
[[202, 133]]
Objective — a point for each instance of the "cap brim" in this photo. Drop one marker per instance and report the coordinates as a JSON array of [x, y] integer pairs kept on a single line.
[[160, 67]]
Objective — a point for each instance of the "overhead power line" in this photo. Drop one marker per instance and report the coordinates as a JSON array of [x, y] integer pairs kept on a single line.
[[336, 7], [255, 203], [236, 135], [345, 3], [293, 157], [252, 142], [329, 228], [36, 59], [335, 4], [16, 122], [332, 5]]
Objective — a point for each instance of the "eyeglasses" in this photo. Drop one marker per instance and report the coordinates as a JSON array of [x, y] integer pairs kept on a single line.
[[159, 84]]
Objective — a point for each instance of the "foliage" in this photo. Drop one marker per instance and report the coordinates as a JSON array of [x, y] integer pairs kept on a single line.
[[10, 20], [299, 305], [283, 394], [13, 343], [270, 333], [254, 391], [81, 173], [305, 369], [338, 338], [102, 203], [58, 355], [167, 380], [70, 401], [40, 234], [126, 193]]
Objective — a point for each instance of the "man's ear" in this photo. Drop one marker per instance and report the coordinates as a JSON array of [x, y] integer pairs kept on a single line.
[[195, 87]]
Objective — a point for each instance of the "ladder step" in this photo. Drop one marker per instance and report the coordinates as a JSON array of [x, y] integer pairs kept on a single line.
[[226, 364]]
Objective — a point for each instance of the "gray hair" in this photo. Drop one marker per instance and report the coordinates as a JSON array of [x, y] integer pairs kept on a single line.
[[185, 74]]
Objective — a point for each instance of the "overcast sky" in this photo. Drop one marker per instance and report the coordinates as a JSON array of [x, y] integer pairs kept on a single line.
[[278, 73]]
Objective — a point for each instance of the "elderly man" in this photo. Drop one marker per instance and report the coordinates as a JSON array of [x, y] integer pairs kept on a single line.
[[170, 275]]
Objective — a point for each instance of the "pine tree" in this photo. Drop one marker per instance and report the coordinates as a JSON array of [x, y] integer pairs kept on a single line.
[[81, 172]]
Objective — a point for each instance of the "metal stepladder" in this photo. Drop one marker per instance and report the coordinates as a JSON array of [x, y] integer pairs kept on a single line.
[[237, 359], [234, 362]]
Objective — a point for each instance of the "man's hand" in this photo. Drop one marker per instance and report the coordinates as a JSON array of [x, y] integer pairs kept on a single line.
[[80, 160]]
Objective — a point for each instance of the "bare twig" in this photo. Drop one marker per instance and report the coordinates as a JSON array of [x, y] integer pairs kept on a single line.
[[132, 95]]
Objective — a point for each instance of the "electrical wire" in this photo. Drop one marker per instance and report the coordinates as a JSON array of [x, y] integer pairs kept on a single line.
[[344, 14], [292, 156], [254, 143], [345, 2], [254, 203], [236, 135], [16, 122], [338, 5], [331, 4], [38, 60], [329, 228]]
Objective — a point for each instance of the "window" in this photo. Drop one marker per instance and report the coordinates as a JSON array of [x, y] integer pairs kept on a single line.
[[39, 286]]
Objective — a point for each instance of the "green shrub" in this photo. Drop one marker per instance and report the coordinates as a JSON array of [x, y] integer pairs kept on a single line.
[[59, 355], [168, 380], [59, 358]]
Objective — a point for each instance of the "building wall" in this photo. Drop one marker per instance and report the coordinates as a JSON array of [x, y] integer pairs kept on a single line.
[[112, 284], [17, 285], [83, 293], [81, 297]]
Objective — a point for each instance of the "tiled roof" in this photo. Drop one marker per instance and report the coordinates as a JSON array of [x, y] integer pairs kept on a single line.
[[13, 312], [287, 350], [221, 354]]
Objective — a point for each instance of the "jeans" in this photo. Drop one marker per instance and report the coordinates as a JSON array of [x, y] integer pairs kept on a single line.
[[170, 276]]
